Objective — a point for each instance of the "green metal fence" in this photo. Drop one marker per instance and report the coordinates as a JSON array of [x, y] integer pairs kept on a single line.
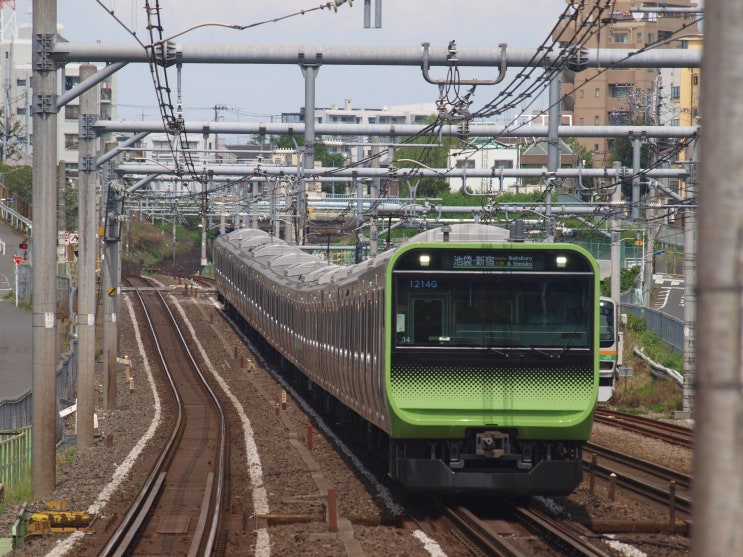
[[630, 255], [15, 462]]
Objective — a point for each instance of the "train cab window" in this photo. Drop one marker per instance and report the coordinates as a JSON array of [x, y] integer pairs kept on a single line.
[[606, 324], [480, 314], [503, 310], [428, 320]]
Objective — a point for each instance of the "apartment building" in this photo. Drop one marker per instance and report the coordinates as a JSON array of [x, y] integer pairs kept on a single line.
[[15, 57], [358, 148], [609, 97]]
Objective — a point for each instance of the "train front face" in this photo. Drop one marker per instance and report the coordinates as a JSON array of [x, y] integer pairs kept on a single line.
[[492, 366]]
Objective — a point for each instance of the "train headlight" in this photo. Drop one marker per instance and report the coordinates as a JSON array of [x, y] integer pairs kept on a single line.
[[424, 260], [561, 261]]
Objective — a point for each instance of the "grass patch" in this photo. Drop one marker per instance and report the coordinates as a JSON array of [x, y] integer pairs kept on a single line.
[[643, 392], [23, 303], [150, 247], [18, 492], [652, 344]]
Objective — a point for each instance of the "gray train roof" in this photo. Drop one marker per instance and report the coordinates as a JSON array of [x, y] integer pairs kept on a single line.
[[464, 233], [289, 265]]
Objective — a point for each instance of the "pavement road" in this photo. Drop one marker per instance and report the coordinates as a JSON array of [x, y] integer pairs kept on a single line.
[[669, 296], [15, 325]]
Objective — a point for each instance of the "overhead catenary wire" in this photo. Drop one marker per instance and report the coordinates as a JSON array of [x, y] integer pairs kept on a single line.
[[521, 89]]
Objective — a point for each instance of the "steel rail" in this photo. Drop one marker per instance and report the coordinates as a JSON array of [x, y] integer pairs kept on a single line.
[[670, 433], [663, 472], [221, 467], [129, 530], [557, 536], [479, 534], [550, 532], [631, 477]]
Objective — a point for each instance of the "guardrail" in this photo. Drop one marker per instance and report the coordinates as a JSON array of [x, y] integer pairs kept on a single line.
[[14, 218], [670, 329]]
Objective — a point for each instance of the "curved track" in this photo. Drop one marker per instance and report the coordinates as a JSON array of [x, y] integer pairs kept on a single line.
[[650, 480], [675, 434], [178, 510], [512, 530]]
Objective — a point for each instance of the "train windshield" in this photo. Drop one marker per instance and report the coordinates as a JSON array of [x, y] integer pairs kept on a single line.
[[607, 326], [508, 310]]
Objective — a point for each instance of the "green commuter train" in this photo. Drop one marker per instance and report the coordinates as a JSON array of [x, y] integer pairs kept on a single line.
[[470, 359]]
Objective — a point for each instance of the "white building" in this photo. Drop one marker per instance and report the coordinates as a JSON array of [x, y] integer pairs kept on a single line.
[[15, 54], [358, 148], [158, 148], [485, 154]]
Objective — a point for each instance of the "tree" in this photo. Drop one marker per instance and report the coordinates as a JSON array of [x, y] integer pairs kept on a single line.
[[18, 182], [586, 156], [329, 160], [434, 156], [622, 152], [285, 141], [11, 138], [322, 154]]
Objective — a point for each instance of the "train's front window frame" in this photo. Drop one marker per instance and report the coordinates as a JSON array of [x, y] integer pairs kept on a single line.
[[493, 310], [606, 324]]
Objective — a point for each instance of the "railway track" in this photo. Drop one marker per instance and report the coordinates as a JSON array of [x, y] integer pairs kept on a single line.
[[517, 531], [674, 434], [645, 478], [179, 508], [662, 485]]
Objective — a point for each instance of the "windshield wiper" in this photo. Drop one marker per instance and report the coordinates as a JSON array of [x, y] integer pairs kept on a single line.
[[487, 347], [534, 349]]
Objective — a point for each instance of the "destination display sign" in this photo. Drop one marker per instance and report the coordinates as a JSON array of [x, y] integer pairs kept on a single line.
[[498, 261]]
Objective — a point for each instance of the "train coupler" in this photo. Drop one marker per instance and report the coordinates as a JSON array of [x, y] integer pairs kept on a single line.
[[492, 444]]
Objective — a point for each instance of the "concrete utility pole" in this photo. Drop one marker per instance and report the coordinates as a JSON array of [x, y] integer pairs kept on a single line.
[[718, 436], [310, 75], [636, 167], [88, 240], [110, 288], [6, 107], [553, 152], [690, 284], [374, 194], [204, 222], [44, 318], [616, 237], [110, 280], [61, 225]]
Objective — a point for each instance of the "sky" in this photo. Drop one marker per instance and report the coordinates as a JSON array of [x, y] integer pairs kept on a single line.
[[262, 93]]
